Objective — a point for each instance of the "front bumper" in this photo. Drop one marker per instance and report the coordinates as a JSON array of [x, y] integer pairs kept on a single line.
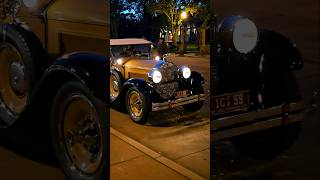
[[178, 102]]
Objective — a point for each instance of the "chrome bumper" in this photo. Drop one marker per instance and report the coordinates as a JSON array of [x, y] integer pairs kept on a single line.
[[230, 126], [178, 102]]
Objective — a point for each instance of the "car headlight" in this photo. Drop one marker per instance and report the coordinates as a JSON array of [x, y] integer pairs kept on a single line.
[[119, 61], [186, 72], [239, 32], [156, 76]]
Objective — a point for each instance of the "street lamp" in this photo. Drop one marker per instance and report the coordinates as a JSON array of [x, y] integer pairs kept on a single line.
[[184, 15]]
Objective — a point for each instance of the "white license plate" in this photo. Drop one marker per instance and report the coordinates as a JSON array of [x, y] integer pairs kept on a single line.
[[226, 103], [181, 94]]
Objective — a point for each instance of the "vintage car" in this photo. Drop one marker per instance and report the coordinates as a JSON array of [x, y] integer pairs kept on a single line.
[[256, 102], [144, 82], [48, 72]]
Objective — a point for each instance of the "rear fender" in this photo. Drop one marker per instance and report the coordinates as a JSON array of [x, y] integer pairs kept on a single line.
[[278, 52]]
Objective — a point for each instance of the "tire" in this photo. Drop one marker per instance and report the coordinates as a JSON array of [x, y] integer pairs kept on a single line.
[[21, 54], [267, 144], [78, 130], [197, 105], [139, 113], [116, 83]]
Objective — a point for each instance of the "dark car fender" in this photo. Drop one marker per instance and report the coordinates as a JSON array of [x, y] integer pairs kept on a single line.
[[142, 85], [278, 52], [90, 69], [196, 78]]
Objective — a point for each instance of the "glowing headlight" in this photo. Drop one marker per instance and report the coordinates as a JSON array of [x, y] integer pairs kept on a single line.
[[186, 72], [156, 76], [119, 61], [245, 35], [157, 58]]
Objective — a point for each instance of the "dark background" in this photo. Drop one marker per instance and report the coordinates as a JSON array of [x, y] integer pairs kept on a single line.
[[299, 21]]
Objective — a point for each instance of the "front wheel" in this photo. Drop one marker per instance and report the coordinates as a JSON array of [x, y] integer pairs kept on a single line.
[[267, 144], [78, 127], [137, 105]]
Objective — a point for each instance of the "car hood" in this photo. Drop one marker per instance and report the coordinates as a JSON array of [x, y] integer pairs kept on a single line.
[[139, 68]]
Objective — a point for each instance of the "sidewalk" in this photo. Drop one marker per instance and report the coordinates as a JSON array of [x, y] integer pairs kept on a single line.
[[131, 160]]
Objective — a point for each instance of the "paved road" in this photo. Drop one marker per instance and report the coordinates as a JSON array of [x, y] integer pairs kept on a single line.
[[298, 20], [179, 136]]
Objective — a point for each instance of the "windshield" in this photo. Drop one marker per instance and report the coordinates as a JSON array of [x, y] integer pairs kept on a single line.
[[141, 50]]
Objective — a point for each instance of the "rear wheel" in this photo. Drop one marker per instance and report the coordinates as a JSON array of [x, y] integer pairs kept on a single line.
[[137, 105], [20, 53], [115, 85], [78, 122]]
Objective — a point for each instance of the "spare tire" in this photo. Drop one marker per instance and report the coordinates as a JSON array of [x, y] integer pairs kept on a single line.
[[21, 64]]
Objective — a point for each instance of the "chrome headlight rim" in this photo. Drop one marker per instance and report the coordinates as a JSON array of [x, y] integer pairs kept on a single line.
[[155, 76], [185, 72]]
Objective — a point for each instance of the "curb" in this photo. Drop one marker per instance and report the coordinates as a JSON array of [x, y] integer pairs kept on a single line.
[[158, 157]]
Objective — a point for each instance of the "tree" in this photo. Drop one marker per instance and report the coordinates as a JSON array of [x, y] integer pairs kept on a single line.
[[204, 16], [172, 9], [123, 10]]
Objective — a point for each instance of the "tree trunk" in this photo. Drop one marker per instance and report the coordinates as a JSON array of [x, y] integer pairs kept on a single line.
[[182, 39], [203, 48], [175, 37]]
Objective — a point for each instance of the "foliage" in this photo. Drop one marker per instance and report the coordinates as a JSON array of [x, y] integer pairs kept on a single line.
[[122, 10], [172, 10]]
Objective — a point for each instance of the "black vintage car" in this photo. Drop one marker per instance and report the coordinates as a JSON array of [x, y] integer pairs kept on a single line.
[[256, 102]]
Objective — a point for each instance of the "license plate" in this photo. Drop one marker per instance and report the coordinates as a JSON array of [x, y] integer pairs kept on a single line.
[[181, 94], [232, 102]]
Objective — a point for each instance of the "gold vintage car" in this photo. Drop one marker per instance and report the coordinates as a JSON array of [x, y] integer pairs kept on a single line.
[[144, 83], [53, 65]]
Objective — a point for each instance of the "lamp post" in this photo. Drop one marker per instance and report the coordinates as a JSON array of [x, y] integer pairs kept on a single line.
[[184, 16]]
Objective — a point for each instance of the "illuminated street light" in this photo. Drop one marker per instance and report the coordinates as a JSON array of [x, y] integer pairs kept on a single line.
[[184, 15]]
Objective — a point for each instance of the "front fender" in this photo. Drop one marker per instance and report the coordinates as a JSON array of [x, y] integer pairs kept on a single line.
[[138, 83], [279, 51], [91, 68], [196, 78]]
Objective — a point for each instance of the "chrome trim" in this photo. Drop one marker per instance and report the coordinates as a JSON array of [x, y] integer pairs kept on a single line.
[[228, 121], [178, 102]]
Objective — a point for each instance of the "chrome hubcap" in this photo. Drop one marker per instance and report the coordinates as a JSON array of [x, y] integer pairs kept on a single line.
[[82, 135], [13, 80], [17, 81]]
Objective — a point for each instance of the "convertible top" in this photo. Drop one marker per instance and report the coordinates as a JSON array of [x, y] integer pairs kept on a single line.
[[128, 41]]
